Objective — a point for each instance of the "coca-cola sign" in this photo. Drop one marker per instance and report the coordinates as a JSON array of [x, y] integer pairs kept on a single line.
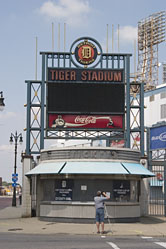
[[85, 121]]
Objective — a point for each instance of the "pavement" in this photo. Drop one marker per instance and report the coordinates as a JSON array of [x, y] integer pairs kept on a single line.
[[11, 222]]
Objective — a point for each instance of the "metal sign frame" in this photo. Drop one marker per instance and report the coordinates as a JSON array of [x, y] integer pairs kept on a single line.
[[36, 103]]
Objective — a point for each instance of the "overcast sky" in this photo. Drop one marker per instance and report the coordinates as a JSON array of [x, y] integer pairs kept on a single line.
[[21, 21]]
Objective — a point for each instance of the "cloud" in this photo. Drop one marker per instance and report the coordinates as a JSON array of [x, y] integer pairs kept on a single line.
[[73, 12], [6, 148], [7, 115], [127, 33]]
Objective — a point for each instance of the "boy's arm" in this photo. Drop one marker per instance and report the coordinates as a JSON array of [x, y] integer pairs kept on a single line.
[[104, 194]]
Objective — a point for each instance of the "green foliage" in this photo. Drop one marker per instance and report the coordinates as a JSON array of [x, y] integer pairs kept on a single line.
[[6, 183]]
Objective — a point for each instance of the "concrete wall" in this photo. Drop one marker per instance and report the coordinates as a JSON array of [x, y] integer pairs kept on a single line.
[[145, 191], [144, 197], [77, 210], [39, 195], [26, 195]]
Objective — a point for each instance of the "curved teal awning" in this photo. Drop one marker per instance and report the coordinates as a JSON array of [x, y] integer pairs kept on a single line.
[[46, 168], [86, 167], [113, 168], [137, 169]]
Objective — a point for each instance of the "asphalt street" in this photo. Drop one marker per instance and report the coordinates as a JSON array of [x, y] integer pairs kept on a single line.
[[27, 233], [5, 202], [24, 241]]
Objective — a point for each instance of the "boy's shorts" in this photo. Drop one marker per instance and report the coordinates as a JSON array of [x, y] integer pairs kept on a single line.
[[100, 215]]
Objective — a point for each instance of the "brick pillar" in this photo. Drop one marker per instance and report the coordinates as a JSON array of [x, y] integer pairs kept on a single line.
[[26, 181]]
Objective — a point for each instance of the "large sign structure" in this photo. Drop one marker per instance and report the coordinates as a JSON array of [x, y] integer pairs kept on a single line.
[[83, 98], [83, 94]]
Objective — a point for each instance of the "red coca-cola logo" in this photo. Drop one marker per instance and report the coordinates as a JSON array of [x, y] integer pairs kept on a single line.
[[85, 121]]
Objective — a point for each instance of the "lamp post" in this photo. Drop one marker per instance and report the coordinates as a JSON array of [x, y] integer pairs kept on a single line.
[[14, 138], [2, 104]]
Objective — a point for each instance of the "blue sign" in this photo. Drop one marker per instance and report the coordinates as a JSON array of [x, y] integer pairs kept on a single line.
[[158, 138], [14, 184], [14, 177]]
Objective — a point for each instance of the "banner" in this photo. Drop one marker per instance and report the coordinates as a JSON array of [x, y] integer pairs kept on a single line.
[[158, 138]]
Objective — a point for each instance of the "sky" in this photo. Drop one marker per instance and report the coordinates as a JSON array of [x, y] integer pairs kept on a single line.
[[22, 21]]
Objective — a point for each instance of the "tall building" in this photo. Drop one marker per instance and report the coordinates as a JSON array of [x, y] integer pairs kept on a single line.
[[164, 72], [155, 102]]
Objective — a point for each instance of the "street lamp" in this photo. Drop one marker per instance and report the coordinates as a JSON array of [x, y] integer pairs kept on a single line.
[[2, 104], [14, 138]]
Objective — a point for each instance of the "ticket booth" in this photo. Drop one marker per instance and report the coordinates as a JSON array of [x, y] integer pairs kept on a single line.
[[66, 180]]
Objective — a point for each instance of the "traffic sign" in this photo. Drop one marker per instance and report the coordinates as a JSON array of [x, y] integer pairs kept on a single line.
[[14, 174], [14, 177], [14, 184]]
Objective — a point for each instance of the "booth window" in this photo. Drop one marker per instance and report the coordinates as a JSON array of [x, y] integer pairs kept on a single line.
[[126, 190], [163, 111], [121, 190], [84, 190]]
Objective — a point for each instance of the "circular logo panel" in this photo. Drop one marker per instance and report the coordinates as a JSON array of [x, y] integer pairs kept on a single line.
[[86, 53]]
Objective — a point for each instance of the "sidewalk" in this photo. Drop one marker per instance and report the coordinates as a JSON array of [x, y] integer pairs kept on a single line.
[[11, 222]]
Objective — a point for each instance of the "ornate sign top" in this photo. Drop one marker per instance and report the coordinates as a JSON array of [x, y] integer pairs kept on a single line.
[[86, 51]]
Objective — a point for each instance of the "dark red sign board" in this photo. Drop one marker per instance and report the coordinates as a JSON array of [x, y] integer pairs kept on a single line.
[[56, 121], [85, 75]]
